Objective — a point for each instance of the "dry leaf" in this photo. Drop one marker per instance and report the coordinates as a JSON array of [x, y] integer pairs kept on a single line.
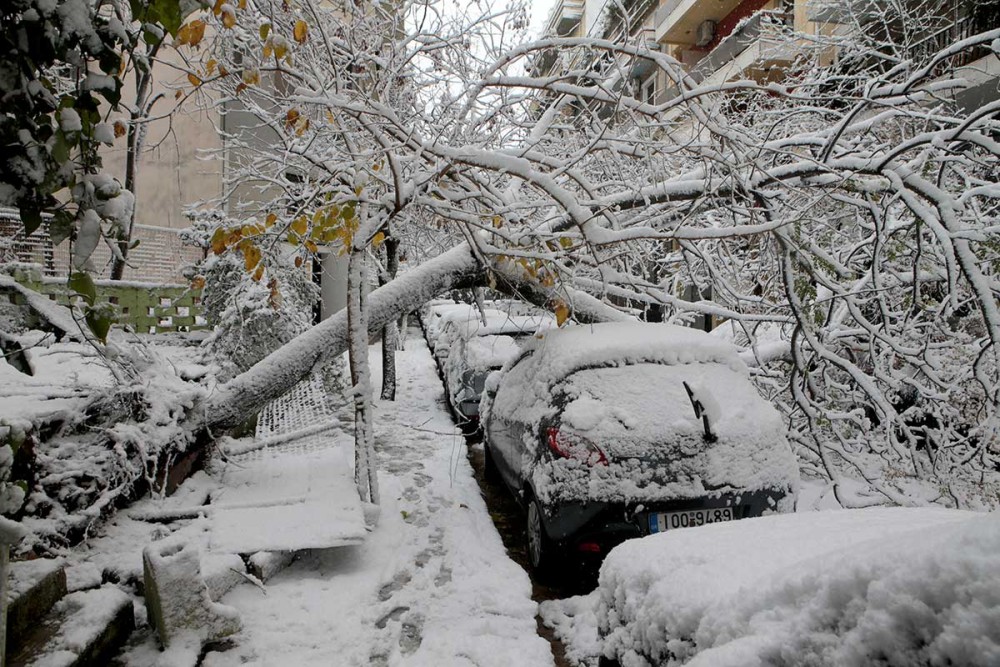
[[120, 128], [301, 31], [562, 313], [191, 33], [228, 16], [193, 78]]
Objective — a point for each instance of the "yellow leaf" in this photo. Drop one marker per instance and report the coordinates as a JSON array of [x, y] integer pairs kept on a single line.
[[268, 49], [265, 30], [280, 49], [249, 230], [565, 242], [191, 33], [217, 8], [562, 313], [251, 257], [210, 66], [228, 17], [198, 282], [193, 78], [258, 274], [378, 239], [301, 31], [291, 116], [300, 225], [497, 221], [301, 125], [243, 4], [219, 241], [251, 77], [270, 220], [311, 247]]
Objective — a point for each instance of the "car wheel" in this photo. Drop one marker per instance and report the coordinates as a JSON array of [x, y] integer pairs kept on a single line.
[[539, 546], [490, 471]]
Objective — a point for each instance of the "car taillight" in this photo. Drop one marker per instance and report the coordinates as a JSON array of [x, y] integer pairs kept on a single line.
[[572, 446]]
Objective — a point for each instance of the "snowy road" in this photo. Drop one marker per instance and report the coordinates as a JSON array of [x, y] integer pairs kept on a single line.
[[432, 585]]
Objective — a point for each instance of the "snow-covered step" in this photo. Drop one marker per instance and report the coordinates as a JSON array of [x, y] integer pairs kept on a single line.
[[286, 501], [33, 587], [84, 629]]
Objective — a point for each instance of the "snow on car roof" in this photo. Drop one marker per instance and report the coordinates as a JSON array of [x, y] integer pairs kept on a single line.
[[490, 351], [557, 353]]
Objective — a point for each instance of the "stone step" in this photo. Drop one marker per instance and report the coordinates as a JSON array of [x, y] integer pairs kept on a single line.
[[33, 587], [84, 629]]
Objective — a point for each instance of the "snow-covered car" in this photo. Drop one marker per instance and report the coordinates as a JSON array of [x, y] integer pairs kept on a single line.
[[433, 314], [458, 327], [878, 586], [612, 431], [460, 324]]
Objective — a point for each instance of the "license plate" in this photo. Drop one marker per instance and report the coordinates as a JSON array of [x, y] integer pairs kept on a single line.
[[663, 521]]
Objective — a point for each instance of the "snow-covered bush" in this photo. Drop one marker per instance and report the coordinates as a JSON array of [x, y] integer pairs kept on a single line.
[[887, 586], [252, 319]]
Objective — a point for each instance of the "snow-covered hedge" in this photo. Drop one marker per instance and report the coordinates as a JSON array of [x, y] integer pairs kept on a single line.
[[854, 587]]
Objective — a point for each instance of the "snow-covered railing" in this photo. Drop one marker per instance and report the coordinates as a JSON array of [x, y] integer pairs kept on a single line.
[[146, 307]]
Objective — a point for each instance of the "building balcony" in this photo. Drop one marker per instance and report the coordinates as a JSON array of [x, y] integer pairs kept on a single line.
[[757, 42], [755, 49], [679, 21], [564, 18]]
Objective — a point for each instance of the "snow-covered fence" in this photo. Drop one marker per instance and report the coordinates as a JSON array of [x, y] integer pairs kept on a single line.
[[145, 307]]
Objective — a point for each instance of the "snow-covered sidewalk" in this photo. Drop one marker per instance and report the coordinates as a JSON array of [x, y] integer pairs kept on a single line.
[[431, 585]]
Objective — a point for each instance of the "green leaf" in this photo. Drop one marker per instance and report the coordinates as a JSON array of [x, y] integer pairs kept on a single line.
[[168, 13], [32, 219], [60, 227], [60, 149], [81, 283], [99, 322]]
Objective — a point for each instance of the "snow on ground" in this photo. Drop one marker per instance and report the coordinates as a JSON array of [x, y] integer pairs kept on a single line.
[[431, 585], [891, 586]]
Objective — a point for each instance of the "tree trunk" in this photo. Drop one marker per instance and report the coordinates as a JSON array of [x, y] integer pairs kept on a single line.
[[132, 150], [390, 332], [365, 468]]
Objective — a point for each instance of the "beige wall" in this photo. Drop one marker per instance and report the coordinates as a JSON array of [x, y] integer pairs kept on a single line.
[[172, 173]]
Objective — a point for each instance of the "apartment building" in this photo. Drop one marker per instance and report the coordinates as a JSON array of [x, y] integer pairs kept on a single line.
[[722, 40]]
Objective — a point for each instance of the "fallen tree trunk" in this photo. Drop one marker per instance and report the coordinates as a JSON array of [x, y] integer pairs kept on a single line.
[[277, 373], [274, 375]]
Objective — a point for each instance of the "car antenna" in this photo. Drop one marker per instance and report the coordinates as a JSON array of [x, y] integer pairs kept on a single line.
[[700, 413]]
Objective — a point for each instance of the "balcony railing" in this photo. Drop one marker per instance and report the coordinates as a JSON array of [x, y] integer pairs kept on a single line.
[[959, 30], [664, 10], [758, 27]]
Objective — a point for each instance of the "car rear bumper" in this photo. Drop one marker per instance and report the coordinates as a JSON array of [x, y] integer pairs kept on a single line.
[[598, 527]]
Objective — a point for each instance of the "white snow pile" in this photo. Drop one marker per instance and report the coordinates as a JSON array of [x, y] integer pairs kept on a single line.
[[887, 586]]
